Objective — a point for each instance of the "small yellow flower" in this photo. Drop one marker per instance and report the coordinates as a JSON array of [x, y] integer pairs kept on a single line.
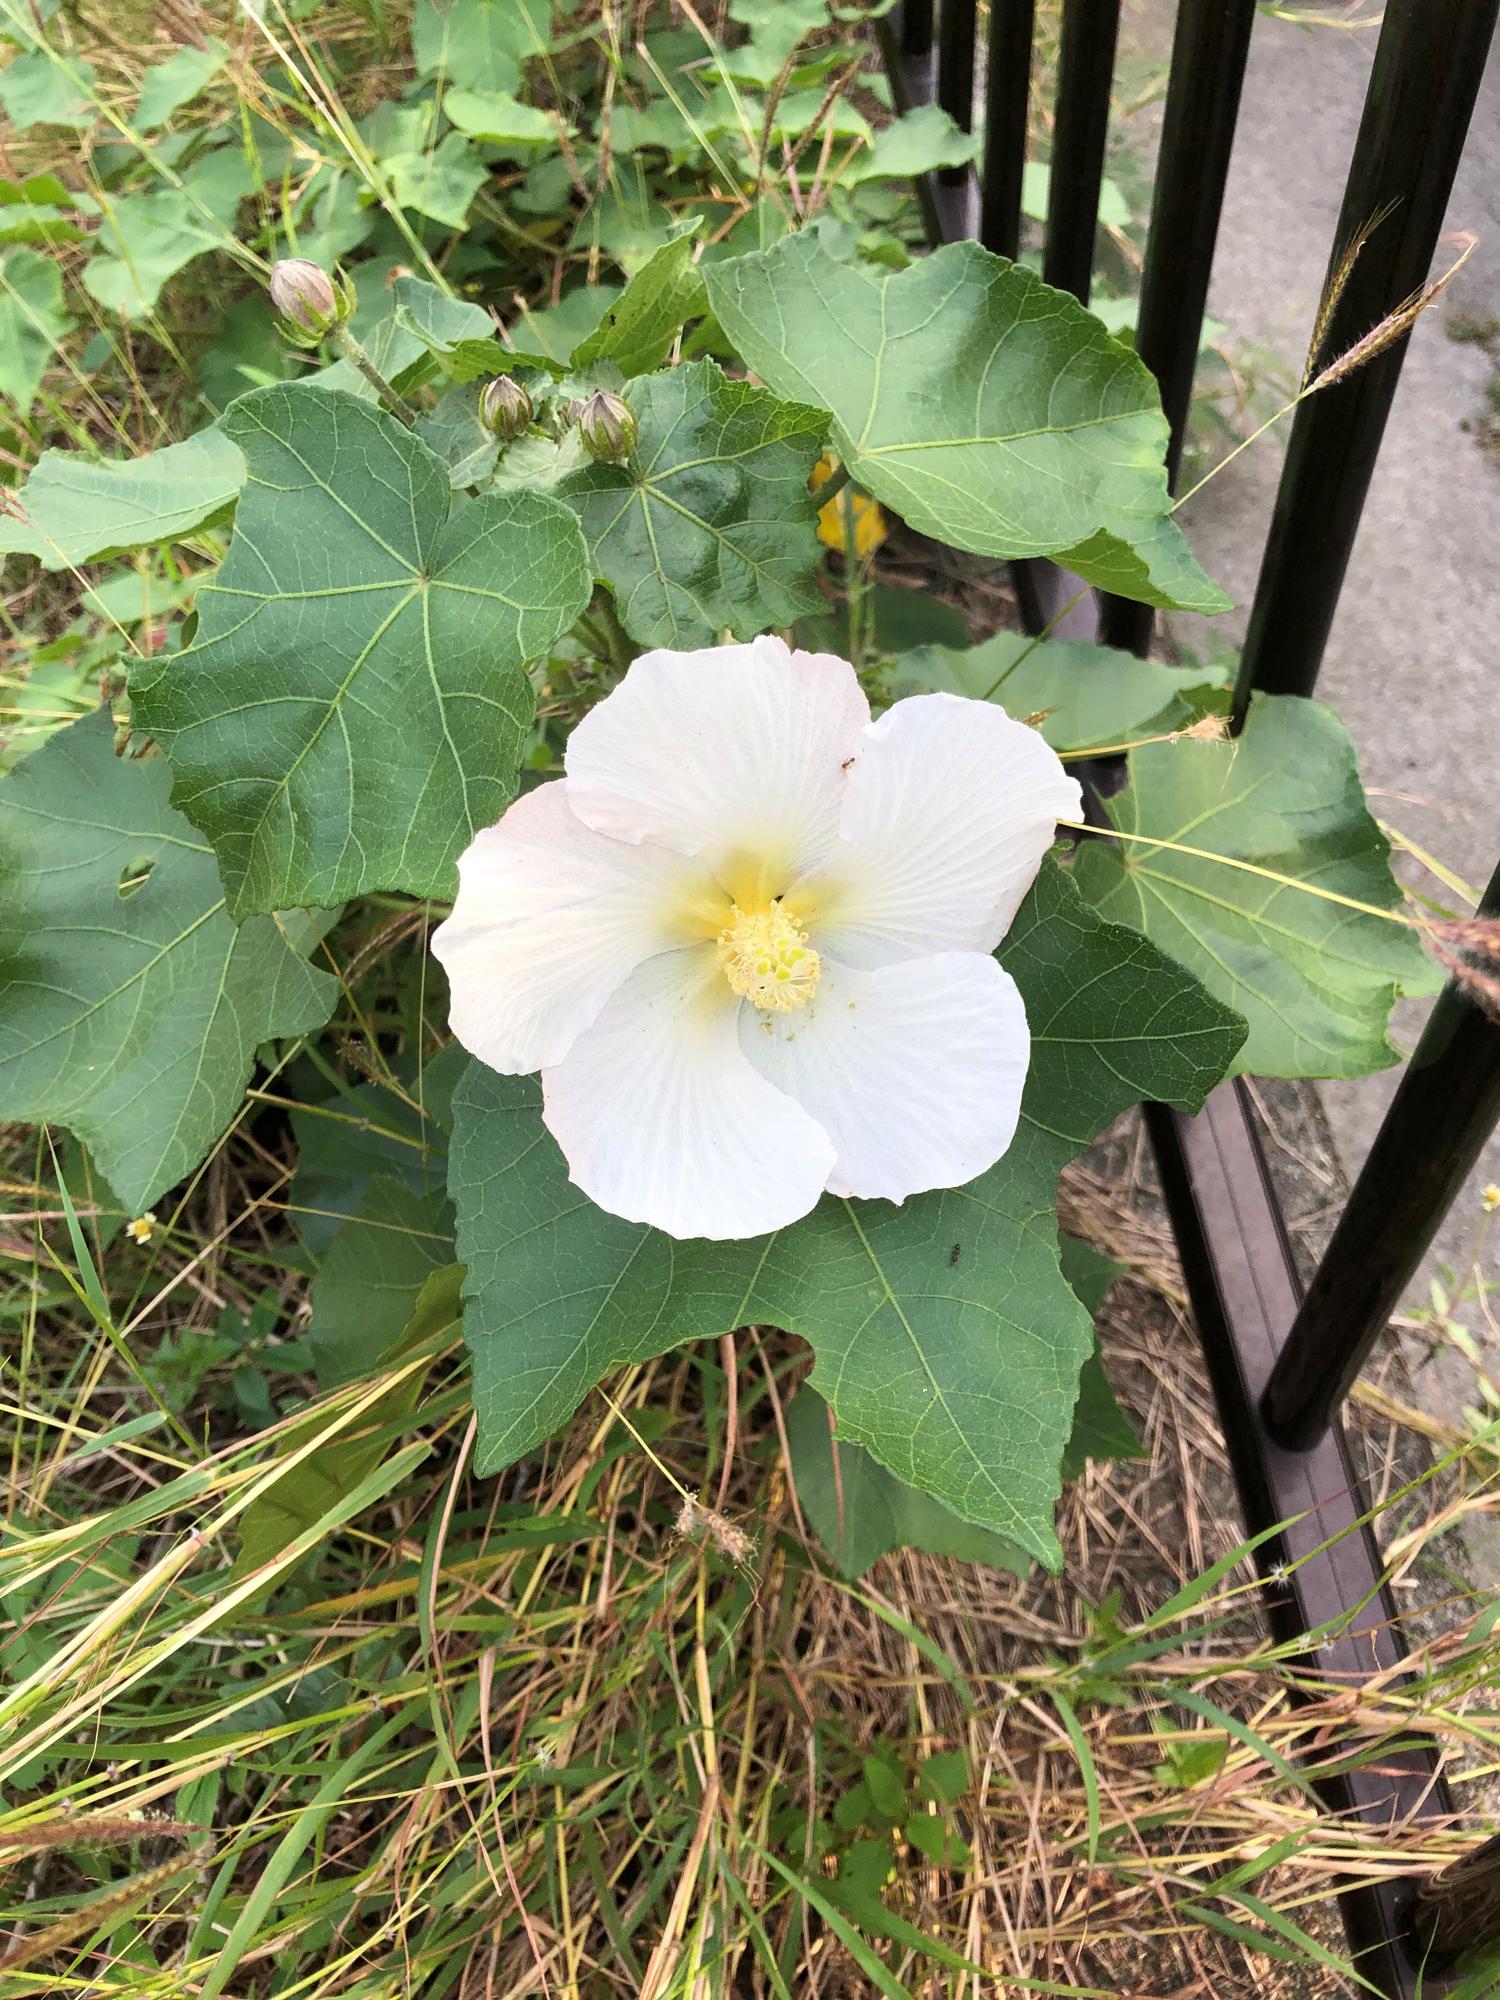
[[142, 1228], [1491, 1198], [869, 522]]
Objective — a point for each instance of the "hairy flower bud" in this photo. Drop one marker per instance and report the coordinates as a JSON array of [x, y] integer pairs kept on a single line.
[[505, 408], [608, 428], [308, 303]]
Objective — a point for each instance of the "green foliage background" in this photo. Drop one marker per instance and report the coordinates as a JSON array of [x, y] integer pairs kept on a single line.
[[281, 640]]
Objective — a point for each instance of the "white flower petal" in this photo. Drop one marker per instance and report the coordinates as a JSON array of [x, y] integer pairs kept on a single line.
[[550, 918], [735, 753], [950, 807], [662, 1120], [915, 1070]]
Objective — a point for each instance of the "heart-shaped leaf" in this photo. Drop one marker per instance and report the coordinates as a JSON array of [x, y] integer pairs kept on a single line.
[[639, 328], [1089, 697], [32, 318], [355, 705], [986, 408], [860, 1512], [75, 509], [483, 43], [710, 524], [130, 1006], [1315, 979]]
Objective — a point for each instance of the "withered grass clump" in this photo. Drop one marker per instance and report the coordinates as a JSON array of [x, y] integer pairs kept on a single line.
[[600, 1725]]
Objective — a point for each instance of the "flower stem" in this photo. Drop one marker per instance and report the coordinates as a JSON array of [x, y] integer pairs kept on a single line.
[[1247, 868], [1055, 620], [622, 648], [394, 401], [832, 486], [601, 631]]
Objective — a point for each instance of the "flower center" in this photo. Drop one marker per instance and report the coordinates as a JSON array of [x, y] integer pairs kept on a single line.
[[767, 959]]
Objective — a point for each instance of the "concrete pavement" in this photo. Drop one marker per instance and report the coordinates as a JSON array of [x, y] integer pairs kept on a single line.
[[1414, 662]]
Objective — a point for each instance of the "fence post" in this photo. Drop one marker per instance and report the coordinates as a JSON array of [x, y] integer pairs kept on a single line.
[[955, 81], [1209, 48], [1444, 1109], [1085, 71], [916, 27], [1006, 98], [1429, 63]]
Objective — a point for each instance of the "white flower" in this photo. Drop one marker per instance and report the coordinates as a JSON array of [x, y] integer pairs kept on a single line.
[[746, 939]]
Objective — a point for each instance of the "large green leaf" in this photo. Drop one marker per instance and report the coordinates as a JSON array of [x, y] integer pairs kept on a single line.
[[638, 330], [946, 1338], [860, 1512], [145, 239], [32, 322], [368, 1283], [556, 332], [1315, 980], [458, 333], [40, 209], [441, 183], [986, 408], [45, 88], [355, 705], [499, 119], [1089, 696], [710, 524], [777, 28], [168, 85], [130, 1006], [482, 43], [918, 143], [75, 510]]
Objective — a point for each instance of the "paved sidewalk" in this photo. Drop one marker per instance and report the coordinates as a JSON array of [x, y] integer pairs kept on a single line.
[[1414, 661]]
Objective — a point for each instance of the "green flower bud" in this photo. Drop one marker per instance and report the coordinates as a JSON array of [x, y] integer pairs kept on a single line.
[[505, 408], [608, 428], [307, 302]]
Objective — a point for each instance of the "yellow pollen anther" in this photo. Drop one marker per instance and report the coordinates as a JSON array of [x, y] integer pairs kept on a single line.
[[768, 961]]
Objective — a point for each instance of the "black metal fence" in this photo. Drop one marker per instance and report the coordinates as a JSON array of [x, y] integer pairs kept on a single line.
[[1281, 1361]]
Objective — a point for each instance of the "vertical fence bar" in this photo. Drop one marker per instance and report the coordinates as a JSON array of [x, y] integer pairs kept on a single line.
[[1209, 49], [1446, 1107], [949, 204], [955, 85], [1429, 63], [1327, 1596], [1085, 70], [916, 27], [1006, 97]]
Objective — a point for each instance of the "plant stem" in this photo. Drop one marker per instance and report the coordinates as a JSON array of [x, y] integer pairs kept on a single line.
[[1243, 445], [856, 581], [1005, 673], [832, 486], [593, 636], [622, 648], [394, 401]]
